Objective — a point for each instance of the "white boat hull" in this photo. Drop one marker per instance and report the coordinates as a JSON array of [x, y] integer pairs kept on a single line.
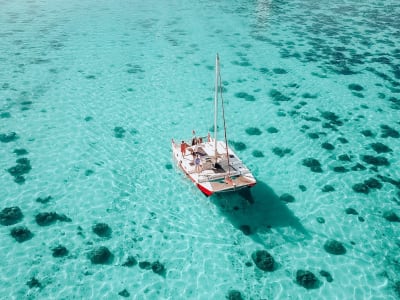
[[214, 175]]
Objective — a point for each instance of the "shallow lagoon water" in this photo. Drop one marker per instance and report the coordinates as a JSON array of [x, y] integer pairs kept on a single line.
[[95, 91]]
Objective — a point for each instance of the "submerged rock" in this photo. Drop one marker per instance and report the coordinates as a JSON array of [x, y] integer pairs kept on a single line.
[[124, 293], [253, 131], [33, 282], [10, 215], [100, 255], [334, 247], [239, 146], [102, 230], [391, 216], [307, 279], [281, 152], [360, 188], [287, 198], [373, 183], [245, 229], [119, 132], [272, 130], [8, 137], [263, 260], [130, 261], [375, 160], [327, 275], [380, 148], [43, 200], [21, 234], [388, 131], [158, 268], [327, 146], [59, 251], [48, 218], [328, 188], [351, 211], [234, 295], [145, 265], [313, 164]]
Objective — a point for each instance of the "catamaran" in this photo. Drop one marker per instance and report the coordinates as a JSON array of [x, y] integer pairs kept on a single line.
[[210, 163]]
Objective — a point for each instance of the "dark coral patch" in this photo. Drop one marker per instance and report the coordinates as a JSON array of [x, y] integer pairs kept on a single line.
[[158, 268], [332, 118], [263, 260], [380, 148], [309, 96], [253, 131], [272, 130], [258, 153], [59, 251], [344, 157], [5, 115], [358, 167], [20, 152], [119, 132], [361, 188], [281, 152], [328, 188], [21, 234], [8, 137], [239, 146], [145, 265], [100, 255], [388, 131], [48, 218], [245, 229], [313, 164], [10, 215], [43, 200], [340, 169], [334, 247], [391, 216], [343, 140], [367, 133], [124, 293], [102, 230], [22, 167], [234, 295], [351, 211], [287, 198], [168, 166], [278, 96], [245, 96], [307, 279], [279, 71], [313, 135], [327, 275], [130, 261], [327, 146], [375, 160], [34, 282], [373, 183], [355, 87]]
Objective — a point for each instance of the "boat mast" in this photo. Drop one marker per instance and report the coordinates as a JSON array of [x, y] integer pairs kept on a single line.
[[216, 105]]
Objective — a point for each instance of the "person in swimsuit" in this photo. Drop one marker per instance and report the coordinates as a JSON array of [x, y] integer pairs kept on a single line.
[[197, 163], [183, 148]]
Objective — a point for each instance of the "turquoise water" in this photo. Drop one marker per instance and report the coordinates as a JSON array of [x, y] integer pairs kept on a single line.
[[95, 90]]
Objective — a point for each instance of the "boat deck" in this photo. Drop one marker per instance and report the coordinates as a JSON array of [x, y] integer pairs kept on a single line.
[[214, 173]]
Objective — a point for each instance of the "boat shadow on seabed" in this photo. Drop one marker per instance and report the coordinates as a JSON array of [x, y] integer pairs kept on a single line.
[[259, 210]]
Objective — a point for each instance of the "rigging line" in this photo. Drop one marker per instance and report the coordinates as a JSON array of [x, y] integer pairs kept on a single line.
[[223, 117]]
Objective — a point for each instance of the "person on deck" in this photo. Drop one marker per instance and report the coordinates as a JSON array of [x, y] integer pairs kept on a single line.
[[194, 138], [197, 162], [183, 148]]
